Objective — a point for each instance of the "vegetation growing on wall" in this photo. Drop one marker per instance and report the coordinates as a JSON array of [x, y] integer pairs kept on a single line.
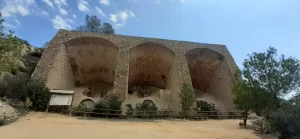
[[187, 98]]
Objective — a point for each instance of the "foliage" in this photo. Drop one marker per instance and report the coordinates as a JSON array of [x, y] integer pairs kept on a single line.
[[261, 124], [93, 24], [38, 94], [276, 76], [11, 49], [1, 26], [14, 87], [204, 106], [2, 122], [187, 98], [129, 109], [286, 120], [114, 103]]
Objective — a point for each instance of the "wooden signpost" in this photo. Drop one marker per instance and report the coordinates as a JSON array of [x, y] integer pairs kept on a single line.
[[61, 98]]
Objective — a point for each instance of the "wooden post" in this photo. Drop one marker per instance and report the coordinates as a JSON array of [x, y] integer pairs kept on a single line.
[[48, 103], [70, 107]]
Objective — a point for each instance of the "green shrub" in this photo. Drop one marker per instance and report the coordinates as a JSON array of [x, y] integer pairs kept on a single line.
[[114, 103], [129, 109], [2, 122], [14, 87], [147, 106], [286, 121], [38, 94], [204, 106], [187, 98]]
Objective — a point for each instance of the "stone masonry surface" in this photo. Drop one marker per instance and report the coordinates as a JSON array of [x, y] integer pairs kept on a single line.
[[83, 60]]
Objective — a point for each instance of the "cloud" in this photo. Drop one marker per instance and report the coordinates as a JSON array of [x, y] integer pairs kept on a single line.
[[60, 2], [74, 16], [18, 22], [15, 7], [100, 11], [44, 13], [121, 16], [119, 25], [114, 18], [62, 11], [104, 2], [11, 25], [83, 6], [48, 2], [61, 23]]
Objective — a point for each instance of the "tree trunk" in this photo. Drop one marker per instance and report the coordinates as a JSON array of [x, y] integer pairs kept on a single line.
[[245, 118]]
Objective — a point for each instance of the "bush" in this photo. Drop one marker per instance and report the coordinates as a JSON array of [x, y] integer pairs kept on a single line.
[[286, 121], [262, 125], [2, 122], [14, 87], [38, 94], [148, 106], [187, 98], [129, 109], [204, 106], [114, 103]]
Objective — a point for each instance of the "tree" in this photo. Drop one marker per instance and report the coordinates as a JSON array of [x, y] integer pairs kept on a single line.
[[248, 97], [93, 24], [187, 98], [1, 26], [276, 76]]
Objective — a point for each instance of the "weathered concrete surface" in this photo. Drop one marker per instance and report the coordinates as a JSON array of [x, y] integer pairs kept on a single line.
[[85, 61]]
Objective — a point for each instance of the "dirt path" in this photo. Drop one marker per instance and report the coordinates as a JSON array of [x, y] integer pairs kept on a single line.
[[53, 126]]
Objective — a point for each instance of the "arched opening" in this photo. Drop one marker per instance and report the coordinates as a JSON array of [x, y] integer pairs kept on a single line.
[[93, 61], [204, 66], [150, 65]]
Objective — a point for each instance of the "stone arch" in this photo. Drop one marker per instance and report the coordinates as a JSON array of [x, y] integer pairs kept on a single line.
[[202, 63], [87, 103], [93, 61], [149, 64]]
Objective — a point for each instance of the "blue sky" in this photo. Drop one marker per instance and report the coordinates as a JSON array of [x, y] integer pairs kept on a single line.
[[244, 26]]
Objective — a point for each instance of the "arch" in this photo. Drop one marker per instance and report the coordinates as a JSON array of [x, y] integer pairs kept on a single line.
[[93, 59], [203, 64], [149, 65]]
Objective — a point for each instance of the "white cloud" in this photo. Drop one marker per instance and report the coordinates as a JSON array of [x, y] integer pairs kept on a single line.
[[114, 18], [9, 25], [74, 16], [48, 2], [15, 7], [44, 13], [104, 2], [121, 16], [18, 22], [60, 23], [83, 6], [62, 11], [100, 11], [182, 1], [119, 25], [71, 21], [60, 2]]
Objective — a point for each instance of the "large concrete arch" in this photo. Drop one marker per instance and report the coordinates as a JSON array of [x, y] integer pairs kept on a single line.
[[208, 71], [150, 65], [93, 62]]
